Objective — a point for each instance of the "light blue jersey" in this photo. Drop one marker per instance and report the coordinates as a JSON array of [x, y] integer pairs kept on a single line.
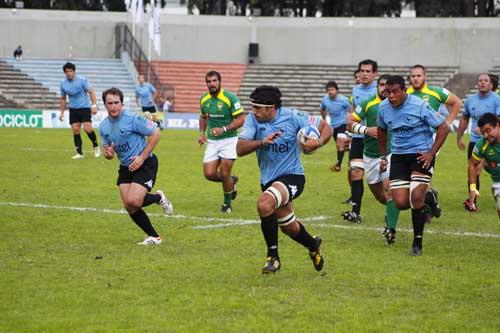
[[76, 90], [283, 156], [476, 105], [128, 133], [146, 94], [360, 93], [410, 124], [337, 108]]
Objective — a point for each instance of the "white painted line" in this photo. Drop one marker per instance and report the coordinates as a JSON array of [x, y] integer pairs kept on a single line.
[[230, 222]]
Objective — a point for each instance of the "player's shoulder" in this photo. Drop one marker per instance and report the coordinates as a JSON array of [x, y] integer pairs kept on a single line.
[[343, 98], [229, 94], [415, 100], [204, 96]]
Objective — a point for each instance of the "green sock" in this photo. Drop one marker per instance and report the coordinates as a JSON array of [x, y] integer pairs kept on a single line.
[[392, 214], [227, 198]]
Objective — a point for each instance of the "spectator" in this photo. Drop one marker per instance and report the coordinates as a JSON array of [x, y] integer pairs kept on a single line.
[[18, 53]]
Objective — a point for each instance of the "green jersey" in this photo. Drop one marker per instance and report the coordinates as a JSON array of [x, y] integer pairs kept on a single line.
[[491, 154], [219, 112], [368, 110], [433, 95]]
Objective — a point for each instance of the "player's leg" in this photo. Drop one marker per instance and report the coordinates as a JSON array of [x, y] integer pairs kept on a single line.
[[227, 154], [495, 190], [356, 171], [77, 139], [147, 175], [87, 126], [340, 138]]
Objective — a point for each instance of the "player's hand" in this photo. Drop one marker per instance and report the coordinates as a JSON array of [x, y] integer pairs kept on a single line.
[[426, 159], [460, 144], [310, 144], [372, 132], [93, 109], [109, 151], [202, 139], [216, 131], [268, 140], [137, 162], [383, 164], [61, 116]]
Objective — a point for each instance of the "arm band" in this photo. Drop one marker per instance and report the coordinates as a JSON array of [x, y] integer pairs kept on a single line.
[[359, 129]]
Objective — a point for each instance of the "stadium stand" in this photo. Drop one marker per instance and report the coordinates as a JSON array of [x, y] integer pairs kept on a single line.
[[188, 78], [303, 86], [101, 73], [18, 91]]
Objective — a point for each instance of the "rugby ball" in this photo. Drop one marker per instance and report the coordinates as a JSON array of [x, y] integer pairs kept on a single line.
[[305, 133]]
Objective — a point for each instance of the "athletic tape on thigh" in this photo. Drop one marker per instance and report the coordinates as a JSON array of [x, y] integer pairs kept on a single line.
[[282, 221], [357, 165], [276, 194], [341, 136], [398, 183]]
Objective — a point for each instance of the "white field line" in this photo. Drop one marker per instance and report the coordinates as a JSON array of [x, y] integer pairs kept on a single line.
[[229, 222]]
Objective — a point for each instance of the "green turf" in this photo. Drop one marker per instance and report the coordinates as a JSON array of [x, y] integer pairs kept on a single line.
[[65, 270]]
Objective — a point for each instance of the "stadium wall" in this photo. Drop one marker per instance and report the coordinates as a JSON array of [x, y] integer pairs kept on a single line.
[[470, 43]]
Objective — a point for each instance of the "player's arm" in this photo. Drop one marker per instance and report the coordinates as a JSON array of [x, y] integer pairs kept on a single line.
[[441, 134], [138, 161], [245, 146], [382, 143], [62, 107], [202, 139], [326, 133], [462, 126], [93, 99], [453, 104], [473, 171], [322, 110]]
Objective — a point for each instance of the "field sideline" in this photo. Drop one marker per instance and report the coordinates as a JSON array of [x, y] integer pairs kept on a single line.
[[69, 261]]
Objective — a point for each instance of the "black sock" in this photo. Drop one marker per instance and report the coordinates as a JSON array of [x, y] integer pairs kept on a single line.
[[356, 195], [142, 220], [77, 139], [340, 156], [304, 238], [151, 199], [269, 227], [418, 218], [92, 138]]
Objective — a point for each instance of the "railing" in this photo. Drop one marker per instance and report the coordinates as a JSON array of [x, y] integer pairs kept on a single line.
[[125, 42]]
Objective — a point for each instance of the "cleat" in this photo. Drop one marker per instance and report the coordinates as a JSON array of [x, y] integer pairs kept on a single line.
[[335, 167], [225, 209], [347, 202], [165, 204], [316, 257], [385, 231], [77, 156], [431, 198], [150, 240], [415, 251], [390, 236], [351, 217], [272, 265], [97, 152], [235, 191]]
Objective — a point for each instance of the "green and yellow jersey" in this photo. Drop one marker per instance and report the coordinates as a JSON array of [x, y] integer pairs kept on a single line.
[[433, 95], [491, 154], [368, 110], [220, 111]]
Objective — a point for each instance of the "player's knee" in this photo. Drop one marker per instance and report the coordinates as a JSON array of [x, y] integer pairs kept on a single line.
[[210, 175], [266, 205], [290, 228], [132, 204], [401, 203]]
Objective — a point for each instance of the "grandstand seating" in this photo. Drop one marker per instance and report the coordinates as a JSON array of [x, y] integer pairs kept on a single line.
[[188, 78], [303, 86], [18, 91], [101, 74]]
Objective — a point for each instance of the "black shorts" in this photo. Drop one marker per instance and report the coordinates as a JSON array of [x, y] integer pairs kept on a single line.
[[150, 109], [81, 115], [403, 165], [145, 175], [294, 184], [338, 130], [356, 151]]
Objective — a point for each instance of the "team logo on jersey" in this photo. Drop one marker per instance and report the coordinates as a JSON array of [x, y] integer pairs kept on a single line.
[[220, 105], [122, 132], [425, 98], [149, 183], [293, 189], [207, 104]]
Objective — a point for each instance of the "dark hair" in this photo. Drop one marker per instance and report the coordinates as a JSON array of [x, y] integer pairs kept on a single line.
[[68, 65], [266, 95], [418, 66], [112, 91], [383, 77], [396, 79], [213, 73], [355, 72], [494, 81], [368, 62], [487, 118], [330, 84]]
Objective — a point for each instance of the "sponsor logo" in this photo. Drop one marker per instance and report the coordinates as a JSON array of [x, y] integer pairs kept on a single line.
[[293, 189], [19, 118], [149, 183]]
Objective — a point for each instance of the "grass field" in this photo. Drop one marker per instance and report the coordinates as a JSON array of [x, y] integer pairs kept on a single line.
[[70, 263]]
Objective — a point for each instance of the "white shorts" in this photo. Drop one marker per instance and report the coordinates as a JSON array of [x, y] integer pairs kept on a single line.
[[220, 149], [495, 189], [372, 169]]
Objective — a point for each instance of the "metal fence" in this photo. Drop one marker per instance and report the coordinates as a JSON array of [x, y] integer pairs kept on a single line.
[[125, 42]]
